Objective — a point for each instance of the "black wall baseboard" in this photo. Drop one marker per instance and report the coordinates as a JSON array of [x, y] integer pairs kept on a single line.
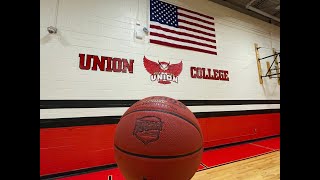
[[57, 104]]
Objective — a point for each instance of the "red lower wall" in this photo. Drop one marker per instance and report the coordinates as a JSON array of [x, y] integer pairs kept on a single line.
[[225, 130], [71, 148]]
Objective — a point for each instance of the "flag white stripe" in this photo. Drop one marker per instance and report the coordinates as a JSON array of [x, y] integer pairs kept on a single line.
[[195, 15], [182, 43], [181, 30], [196, 21], [196, 27], [182, 37]]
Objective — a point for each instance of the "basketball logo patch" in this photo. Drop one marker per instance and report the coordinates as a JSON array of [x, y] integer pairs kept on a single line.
[[147, 129]]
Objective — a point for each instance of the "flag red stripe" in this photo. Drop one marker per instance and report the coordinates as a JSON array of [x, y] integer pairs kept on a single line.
[[194, 18], [181, 33], [181, 46], [198, 31], [181, 40], [195, 24], [196, 13]]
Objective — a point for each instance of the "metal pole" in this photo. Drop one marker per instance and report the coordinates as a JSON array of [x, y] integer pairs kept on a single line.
[[272, 64], [269, 56], [274, 69], [270, 75]]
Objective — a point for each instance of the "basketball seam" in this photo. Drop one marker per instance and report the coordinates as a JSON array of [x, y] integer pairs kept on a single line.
[[174, 114], [157, 157]]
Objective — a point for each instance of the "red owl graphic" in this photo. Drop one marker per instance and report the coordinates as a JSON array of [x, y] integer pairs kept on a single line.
[[163, 72]]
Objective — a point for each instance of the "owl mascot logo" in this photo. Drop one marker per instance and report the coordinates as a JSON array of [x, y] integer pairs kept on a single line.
[[163, 72]]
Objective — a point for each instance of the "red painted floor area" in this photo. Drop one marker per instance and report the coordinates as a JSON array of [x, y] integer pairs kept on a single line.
[[231, 154], [210, 158], [201, 167], [100, 175], [272, 143]]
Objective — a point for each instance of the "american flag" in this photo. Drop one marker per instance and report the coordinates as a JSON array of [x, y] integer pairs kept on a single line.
[[177, 27]]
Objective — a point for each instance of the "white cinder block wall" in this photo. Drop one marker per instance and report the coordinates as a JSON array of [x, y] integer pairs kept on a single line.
[[107, 27]]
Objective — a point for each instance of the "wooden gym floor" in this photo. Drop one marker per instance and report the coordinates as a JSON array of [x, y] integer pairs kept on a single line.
[[263, 167]]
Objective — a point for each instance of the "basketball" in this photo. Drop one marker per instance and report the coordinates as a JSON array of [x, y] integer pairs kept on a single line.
[[158, 138]]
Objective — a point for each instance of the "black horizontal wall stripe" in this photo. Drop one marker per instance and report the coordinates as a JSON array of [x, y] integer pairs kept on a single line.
[[227, 102], [77, 172], [100, 120], [54, 104], [235, 113], [78, 121]]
